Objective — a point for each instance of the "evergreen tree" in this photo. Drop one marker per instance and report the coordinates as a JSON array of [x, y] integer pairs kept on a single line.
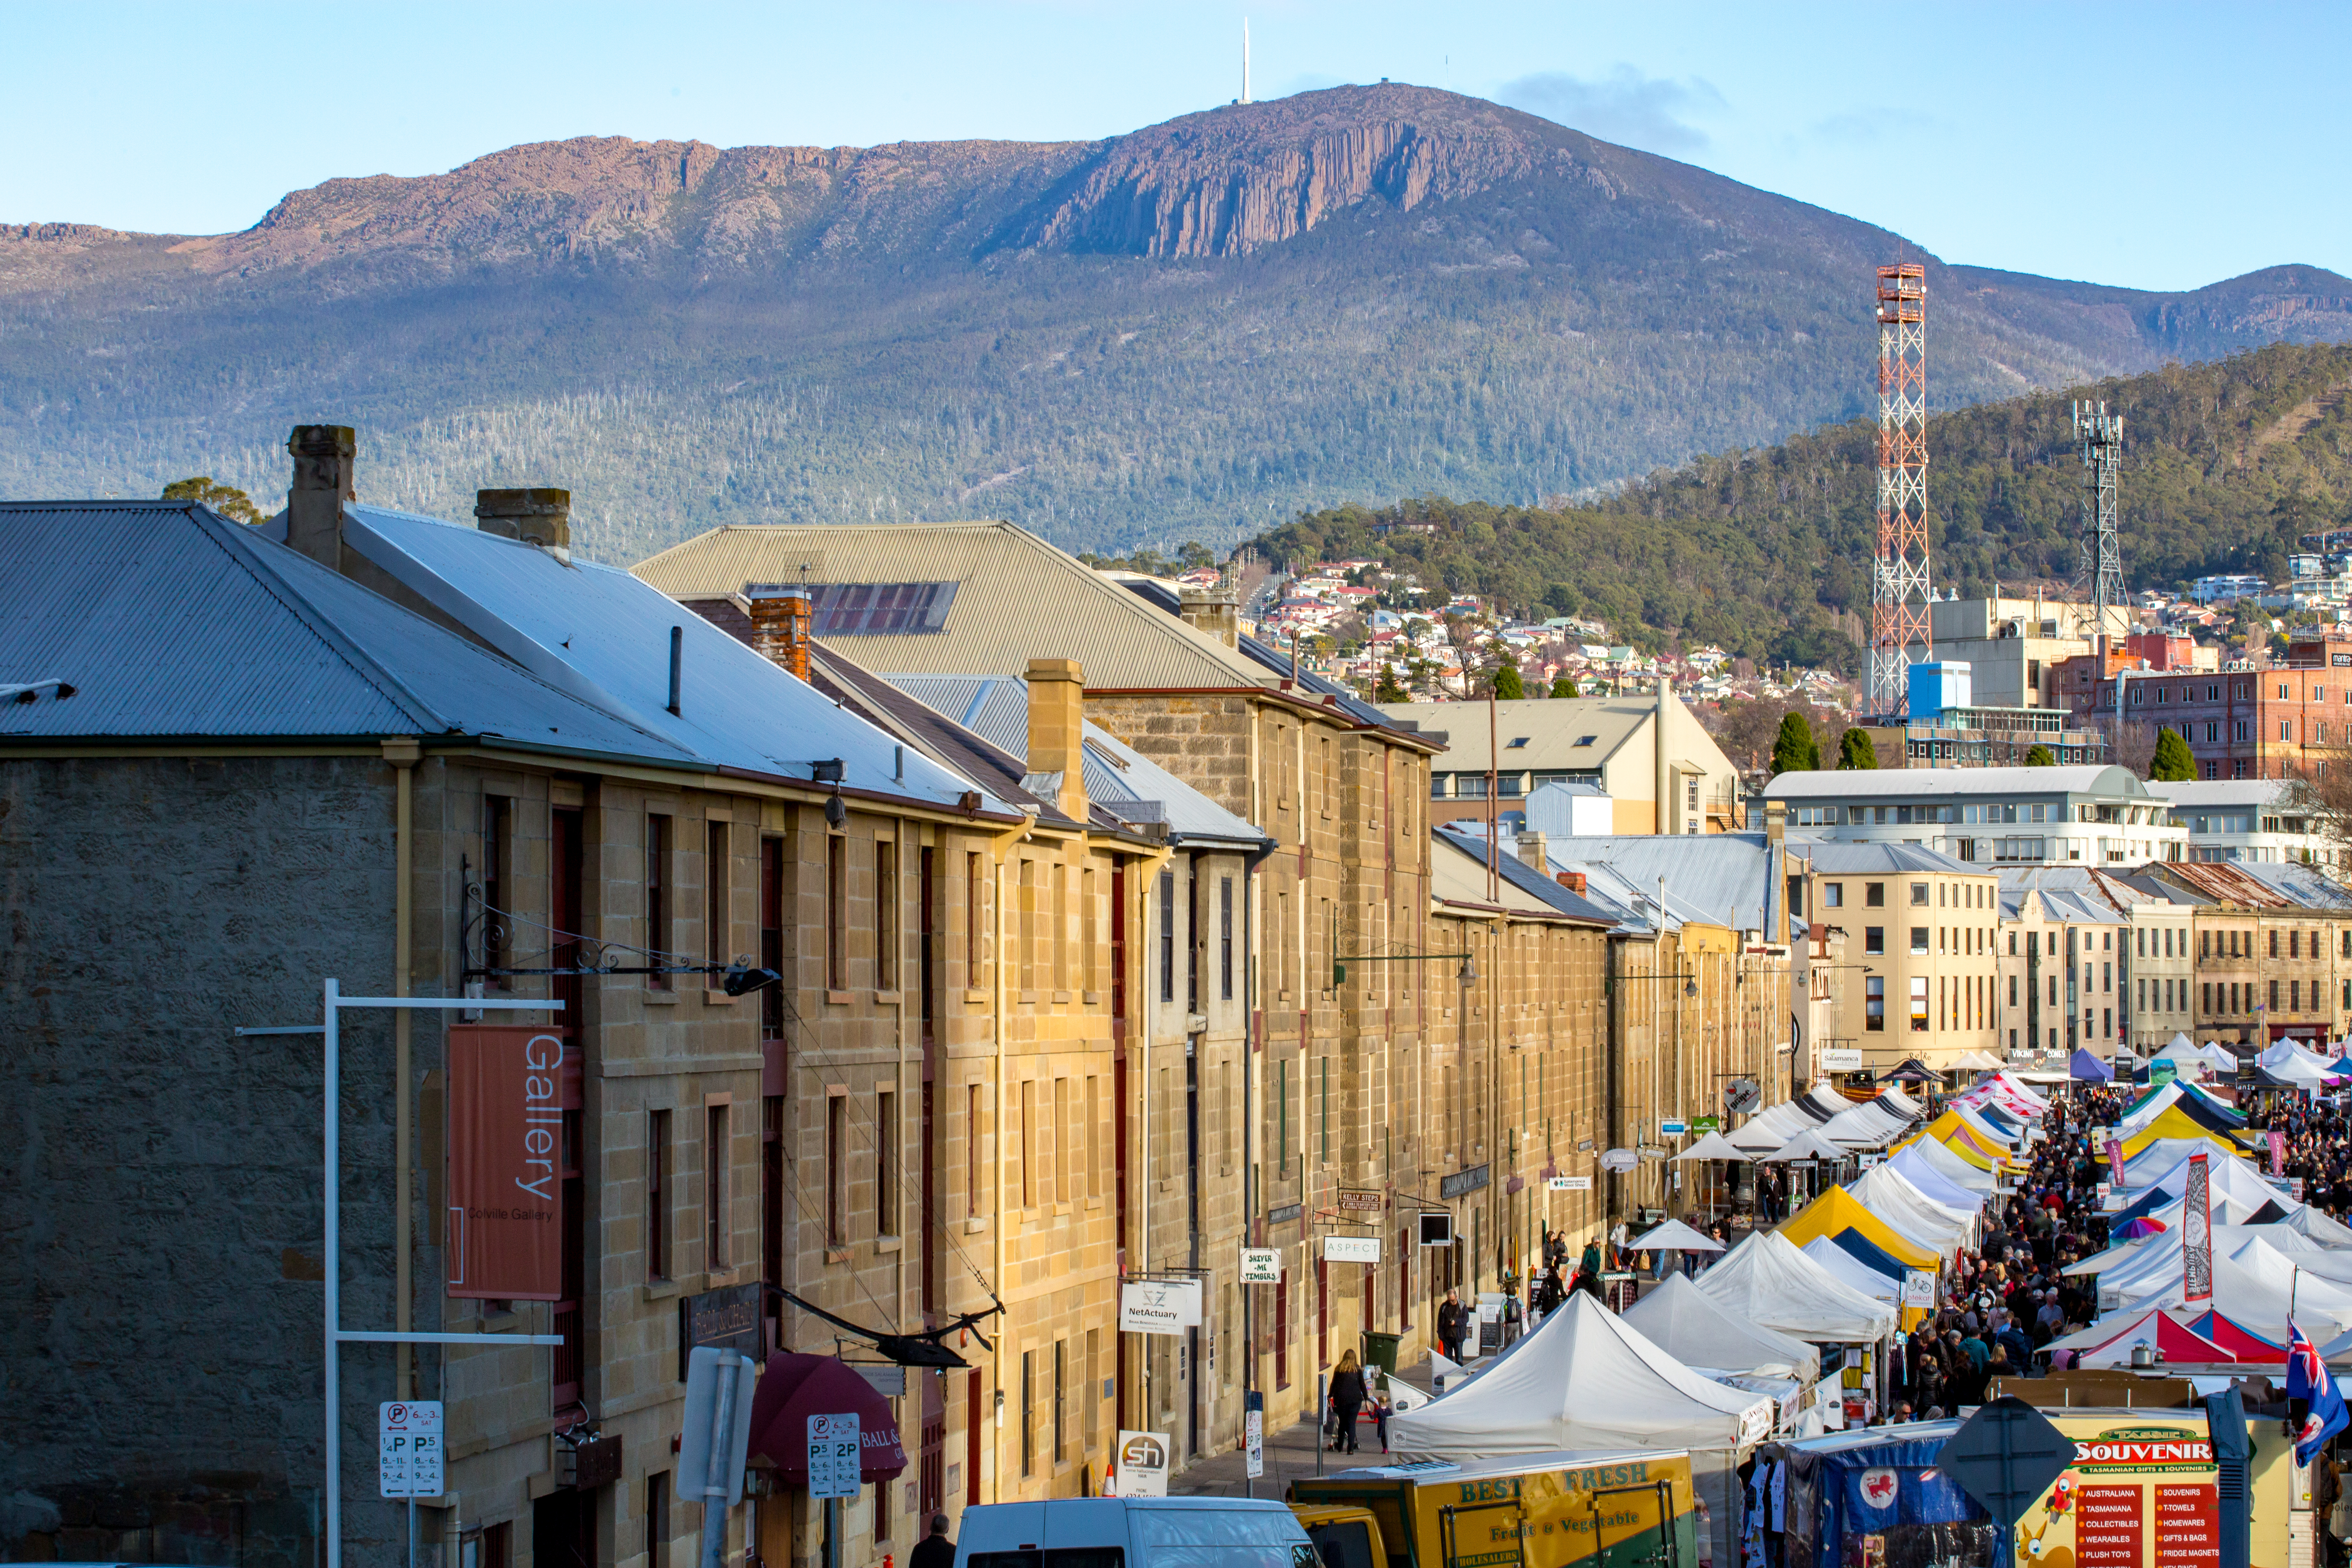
[[2173, 765], [1508, 687], [2039, 757], [1794, 749], [1856, 753], [1563, 686], [1388, 689], [226, 500]]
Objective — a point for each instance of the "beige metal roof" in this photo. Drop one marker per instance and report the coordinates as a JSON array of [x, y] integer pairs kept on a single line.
[[1017, 598], [1552, 727]]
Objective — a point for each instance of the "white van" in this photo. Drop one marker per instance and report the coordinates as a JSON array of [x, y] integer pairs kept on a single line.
[[1134, 1532]]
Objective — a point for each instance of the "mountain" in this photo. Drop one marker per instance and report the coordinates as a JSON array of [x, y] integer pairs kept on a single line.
[[1343, 296], [1766, 551]]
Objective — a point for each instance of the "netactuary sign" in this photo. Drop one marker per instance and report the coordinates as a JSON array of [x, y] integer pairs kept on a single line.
[[1159, 1306]]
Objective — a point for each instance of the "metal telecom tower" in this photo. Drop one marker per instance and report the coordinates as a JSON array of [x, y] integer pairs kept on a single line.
[[2101, 437], [1898, 580]]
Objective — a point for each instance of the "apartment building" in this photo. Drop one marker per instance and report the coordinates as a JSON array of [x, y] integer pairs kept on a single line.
[[2273, 951], [2279, 722], [1908, 938], [2093, 817], [1659, 768], [2277, 820]]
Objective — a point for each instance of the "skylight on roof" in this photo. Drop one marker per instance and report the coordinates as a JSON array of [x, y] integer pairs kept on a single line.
[[879, 609], [1516, 741], [1586, 740]]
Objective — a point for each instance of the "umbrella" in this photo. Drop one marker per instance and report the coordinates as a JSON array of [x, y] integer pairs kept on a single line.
[[1715, 1146], [1806, 1145], [795, 1387], [2143, 1225]]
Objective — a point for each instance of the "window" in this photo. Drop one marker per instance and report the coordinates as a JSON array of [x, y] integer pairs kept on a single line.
[[1226, 937], [1282, 1113], [1918, 1003], [715, 936], [1873, 895], [772, 937], [1832, 895], [1167, 936], [658, 902], [885, 915], [657, 1195], [972, 1136], [1028, 1412], [1918, 939], [2274, 944], [1024, 1121], [1586, 740], [2012, 990], [1874, 1002], [714, 1187], [836, 1176], [879, 609], [1029, 926], [836, 912], [885, 1162], [2274, 996], [1873, 939], [1087, 1401], [1061, 1403], [1093, 1137]]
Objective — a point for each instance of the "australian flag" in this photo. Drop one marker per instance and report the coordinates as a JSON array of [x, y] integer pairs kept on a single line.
[[2310, 1390]]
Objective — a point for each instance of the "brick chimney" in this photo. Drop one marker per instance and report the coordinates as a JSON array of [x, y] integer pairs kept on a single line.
[[1532, 851], [324, 455], [541, 517], [1057, 730], [1776, 821], [1215, 611], [1572, 880], [780, 616]]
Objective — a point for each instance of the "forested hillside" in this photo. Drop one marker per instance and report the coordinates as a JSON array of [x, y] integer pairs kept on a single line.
[[2225, 464], [1189, 332]]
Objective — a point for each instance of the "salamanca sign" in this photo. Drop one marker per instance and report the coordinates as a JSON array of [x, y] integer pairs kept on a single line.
[[506, 1148]]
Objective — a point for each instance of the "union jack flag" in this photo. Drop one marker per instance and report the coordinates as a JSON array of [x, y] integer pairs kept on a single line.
[[2307, 1380]]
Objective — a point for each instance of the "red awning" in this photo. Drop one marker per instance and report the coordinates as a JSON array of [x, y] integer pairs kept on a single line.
[[792, 1388]]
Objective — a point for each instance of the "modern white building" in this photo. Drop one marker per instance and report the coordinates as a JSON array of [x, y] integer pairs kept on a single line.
[[2250, 820], [2038, 816]]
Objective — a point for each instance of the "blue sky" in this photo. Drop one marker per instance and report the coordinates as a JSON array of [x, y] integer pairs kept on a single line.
[[2157, 145]]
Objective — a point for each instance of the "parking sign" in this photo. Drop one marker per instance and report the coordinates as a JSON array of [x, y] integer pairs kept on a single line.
[[833, 1456], [408, 1448]]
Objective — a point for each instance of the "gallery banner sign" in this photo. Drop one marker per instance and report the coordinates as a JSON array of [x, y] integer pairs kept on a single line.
[[505, 1140]]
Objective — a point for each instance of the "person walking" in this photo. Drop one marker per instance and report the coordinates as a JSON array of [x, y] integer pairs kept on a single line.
[[1347, 1396], [1452, 1324], [935, 1550]]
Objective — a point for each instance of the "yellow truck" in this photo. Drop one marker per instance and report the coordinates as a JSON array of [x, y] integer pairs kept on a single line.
[[1528, 1510]]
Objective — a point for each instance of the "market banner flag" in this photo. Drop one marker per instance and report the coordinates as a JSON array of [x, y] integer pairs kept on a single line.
[[506, 1190], [2307, 1380], [2197, 1236]]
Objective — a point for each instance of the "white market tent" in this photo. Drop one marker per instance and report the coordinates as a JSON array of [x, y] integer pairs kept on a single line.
[[2225, 1176], [2259, 1287], [1890, 1198], [1917, 1168], [1978, 1061], [1952, 1168], [1771, 1127], [1767, 1281], [1809, 1144], [1864, 1126], [1903, 1105], [1587, 1379], [1674, 1237], [1688, 1324], [1714, 1146], [1851, 1272], [1826, 1102], [2158, 1161]]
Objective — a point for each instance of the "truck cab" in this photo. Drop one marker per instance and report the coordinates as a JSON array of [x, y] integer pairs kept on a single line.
[[1134, 1532]]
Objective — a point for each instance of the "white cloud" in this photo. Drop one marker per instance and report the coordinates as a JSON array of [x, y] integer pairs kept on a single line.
[[1653, 113]]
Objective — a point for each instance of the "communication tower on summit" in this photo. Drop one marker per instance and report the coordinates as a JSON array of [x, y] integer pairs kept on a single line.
[[2100, 437], [1899, 595]]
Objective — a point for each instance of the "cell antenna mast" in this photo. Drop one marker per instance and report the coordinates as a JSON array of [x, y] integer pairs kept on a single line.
[[2100, 436], [1245, 98], [1899, 595]]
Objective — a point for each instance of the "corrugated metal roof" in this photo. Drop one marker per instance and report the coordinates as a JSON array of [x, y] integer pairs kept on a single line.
[[1722, 879], [1953, 784], [174, 622], [2220, 792], [1017, 598], [1841, 859], [1552, 726], [2259, 884], [607, 635]]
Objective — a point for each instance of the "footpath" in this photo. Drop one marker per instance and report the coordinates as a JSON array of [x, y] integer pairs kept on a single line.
[[1290, 1452]]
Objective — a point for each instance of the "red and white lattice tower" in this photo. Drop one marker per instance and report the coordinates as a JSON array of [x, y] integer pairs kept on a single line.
[[1899, 595]]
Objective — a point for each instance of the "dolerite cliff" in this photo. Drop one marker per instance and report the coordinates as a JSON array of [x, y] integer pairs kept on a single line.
[[1186, 331]]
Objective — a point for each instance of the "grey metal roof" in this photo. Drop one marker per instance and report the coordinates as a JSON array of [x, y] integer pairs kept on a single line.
[[1952, 784], [996, 708], [1723, 879], [2221, 792], [606, 635], [172, 622], [1831, 858]]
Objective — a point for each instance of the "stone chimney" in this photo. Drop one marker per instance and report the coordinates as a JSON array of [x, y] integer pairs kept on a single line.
[[324, 455], [1776, 822], [780, 616], [541, 517], [1532, 852], [1572, 880], [1057, 730], [1216, 612]]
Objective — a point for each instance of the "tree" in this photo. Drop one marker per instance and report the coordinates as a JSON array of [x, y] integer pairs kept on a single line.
[[1794, 749], [2039, 757], [1563, 686], [226, 500], [1855, 752], [1388, 689], [1508, 687], [2172, 763]]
